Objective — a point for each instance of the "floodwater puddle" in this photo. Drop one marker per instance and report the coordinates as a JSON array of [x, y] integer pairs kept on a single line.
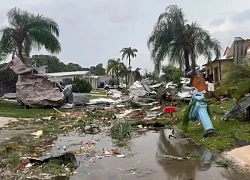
[[153, 155]]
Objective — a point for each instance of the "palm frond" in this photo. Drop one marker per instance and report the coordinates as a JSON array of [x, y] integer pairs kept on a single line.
[[186, 118], [173, 37], [27, 31], [39, 21], [17, 17], [47, 39]]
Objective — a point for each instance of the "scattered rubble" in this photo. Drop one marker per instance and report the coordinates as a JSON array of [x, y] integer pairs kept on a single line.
[[34, 89], [145, 107]]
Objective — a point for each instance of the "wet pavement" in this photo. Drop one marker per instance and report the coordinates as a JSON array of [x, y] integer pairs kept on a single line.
[[152, 155]]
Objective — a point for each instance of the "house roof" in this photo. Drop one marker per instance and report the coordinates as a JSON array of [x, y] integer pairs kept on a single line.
[[73, 73], [229, 52], [226, 59]]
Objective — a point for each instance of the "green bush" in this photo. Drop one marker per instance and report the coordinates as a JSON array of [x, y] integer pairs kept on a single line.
[[82, 85], [112, 82]]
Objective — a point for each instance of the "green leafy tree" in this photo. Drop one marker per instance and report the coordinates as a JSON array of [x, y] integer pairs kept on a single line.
[[97, 70], [73, 67], [83, 86], [180, 41], [4, 53], [152, 76], [171, 73], [237, 81], [116, 68], [27, 31], [54, 64]]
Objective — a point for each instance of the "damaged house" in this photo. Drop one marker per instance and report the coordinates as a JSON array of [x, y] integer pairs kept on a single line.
[[34, 88], [239, 50], [8, 81]]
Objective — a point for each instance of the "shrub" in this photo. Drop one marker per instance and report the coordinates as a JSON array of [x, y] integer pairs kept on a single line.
[[112, 82], [122, 131], [82, 85]]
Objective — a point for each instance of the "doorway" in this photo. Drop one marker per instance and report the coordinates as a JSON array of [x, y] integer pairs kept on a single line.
[[216, 74]]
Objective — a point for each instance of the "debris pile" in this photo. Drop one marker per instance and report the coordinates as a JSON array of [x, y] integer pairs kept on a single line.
[[121, 116], [34, 89]]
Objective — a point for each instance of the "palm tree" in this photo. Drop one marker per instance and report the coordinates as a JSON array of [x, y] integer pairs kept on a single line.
[[27, 31], [174, 38], [115, 67], [128, 53]]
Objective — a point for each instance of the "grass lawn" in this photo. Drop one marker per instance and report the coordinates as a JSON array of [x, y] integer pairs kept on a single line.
[[224, 140], [96, 97], [100, 92], [11, 109]]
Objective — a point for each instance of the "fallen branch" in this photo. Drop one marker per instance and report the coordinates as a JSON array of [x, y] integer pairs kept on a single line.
[[57, 110], [169, 157]]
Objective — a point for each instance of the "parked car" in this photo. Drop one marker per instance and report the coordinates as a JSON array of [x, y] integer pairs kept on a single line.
[[121, 86]]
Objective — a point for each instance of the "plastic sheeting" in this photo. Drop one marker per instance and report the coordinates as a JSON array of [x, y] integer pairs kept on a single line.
[[137, 89]]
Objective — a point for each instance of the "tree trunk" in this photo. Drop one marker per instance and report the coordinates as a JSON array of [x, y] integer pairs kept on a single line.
[[193, 67], [187, 64], [129, 69], [13, 54], [20, 53], [193, 64], [117, 76], [126, 78]]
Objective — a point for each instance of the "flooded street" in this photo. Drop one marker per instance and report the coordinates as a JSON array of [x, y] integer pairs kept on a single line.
[[152, 155], [141, 92]]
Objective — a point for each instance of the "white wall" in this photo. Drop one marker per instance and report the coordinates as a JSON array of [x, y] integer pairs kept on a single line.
[[95, 82], [104, 79], [60, 78]]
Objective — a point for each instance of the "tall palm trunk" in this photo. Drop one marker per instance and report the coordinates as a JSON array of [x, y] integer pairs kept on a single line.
[[187, 64], [13, 54], [193, 64], [20, 53], [117, 75], [129, 69], [126, 77]]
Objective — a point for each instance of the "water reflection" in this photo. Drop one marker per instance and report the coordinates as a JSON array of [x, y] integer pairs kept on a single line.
[[185, 169], [233, 174], [61, 178]]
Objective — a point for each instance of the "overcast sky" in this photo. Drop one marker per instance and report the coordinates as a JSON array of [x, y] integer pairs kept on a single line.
[[93, 31]]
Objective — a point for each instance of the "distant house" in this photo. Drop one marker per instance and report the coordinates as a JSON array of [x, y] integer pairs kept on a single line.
[[67, 78], [99, 81], [234, 54]]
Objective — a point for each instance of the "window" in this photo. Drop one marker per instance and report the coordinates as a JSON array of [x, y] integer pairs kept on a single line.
[[67, 81]]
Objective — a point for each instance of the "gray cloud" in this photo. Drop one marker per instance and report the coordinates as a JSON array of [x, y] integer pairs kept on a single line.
[[92, 31], [241, 17], [217, 22]]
